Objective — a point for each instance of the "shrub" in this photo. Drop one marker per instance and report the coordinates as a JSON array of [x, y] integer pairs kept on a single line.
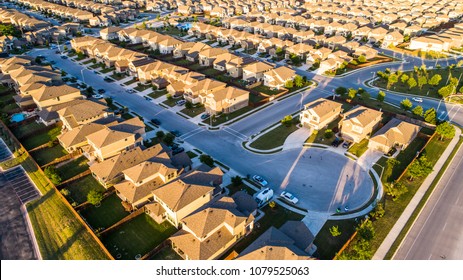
[[206, 159], [329, 133], [94, 197]]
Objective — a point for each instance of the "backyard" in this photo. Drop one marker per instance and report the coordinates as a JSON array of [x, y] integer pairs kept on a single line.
[[41, 138], [48, 154], [327, 244], [107, 214], [79, 188], [72, 168], [137, 237]]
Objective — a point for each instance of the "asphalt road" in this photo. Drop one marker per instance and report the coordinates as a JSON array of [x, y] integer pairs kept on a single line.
[[438, 231]]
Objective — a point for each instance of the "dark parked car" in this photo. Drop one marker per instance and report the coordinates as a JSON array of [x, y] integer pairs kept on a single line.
[[101, 90], [346, 145], [176, 133], [178, 150], [64, 57], [205, 116], [156, 121], [336, 142]]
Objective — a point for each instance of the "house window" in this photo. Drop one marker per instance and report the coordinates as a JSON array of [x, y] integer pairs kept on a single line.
[[315, 118]]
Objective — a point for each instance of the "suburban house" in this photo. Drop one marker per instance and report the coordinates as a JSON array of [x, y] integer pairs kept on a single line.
[[82, 113], [110, 33], [208, 233], [46, 96], [225, 100], [208, 56], [49, 115], [76, 139], [319, 113], [358, 123], [293, 241], [114, 139], [276, 78], [395, 133], [430, 43], [109, 172], [190, 50], [142, 179], [187, 194], [202, 87], [254, 72]]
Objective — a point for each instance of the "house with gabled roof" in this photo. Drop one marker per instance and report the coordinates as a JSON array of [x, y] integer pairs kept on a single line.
[[359, 123], [319, 113], [225, 100], [277, 78], [188, 193], [395, 133], [84, 112], [254, 72], [209, 232]]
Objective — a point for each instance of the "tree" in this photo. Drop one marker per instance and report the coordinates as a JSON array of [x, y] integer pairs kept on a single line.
[[287, 120], [366, 230], [445, 130], [38, 60], [422, 81], [378, 212], [395, 190], [188, 105], [393, 78], [411, 83], [381, 96], [9, 30], [206, 159], [362, 59], [236, 181], [89, 91], [406, 104], [418, 110], [168, 139], [53, 175], [94, 197], [279, 51], [434, 81], [430, 116], [446, 90], [289, 84], [295, 59], [340, 90], [160, 134], [334, 230], [404, 78], [298, 81], [65, 192], [461, 89], [419, 168], [328, 133], [351, 93]]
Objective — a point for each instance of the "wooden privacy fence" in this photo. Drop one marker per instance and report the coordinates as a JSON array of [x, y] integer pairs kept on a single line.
[[123, 220], [61, 196], [63, 158]]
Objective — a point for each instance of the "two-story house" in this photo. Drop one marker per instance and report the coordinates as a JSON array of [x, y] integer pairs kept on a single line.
[[358, 123], [319, 113]]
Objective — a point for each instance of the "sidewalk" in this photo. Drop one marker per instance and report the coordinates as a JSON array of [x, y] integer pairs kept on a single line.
[[403, 219]]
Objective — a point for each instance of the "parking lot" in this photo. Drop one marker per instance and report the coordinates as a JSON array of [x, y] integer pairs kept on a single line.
[[16, 240]]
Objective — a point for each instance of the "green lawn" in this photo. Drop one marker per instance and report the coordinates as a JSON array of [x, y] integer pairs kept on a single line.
[[9, 108], [319, 136], [359, 148], [241, 187], [158, 93], [273, 217], [7, 97], [22, 130], [80, 188], [170, 102], [166, 254], [73, 168], [191, 154], [42, 138], [211, 72], [107, 70], [327, 245], [254, 98], [403, 87], [273, 138], [137, 237], [193, 112], [226, 117], [118, 76], [96, 65], [142, 87], [267, 90], [169, 30], [107, 214], [130, 82], [46, 155]]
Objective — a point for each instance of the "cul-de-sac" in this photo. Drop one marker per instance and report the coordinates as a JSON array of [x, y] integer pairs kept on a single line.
[[231, 130]]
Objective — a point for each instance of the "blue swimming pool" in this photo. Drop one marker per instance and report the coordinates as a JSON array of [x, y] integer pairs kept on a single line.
[[18, 117]]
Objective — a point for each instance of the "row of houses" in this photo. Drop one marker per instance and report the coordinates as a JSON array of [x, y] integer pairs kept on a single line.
[[441, 42], [82, 11], [20, 20], [358, 124]]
